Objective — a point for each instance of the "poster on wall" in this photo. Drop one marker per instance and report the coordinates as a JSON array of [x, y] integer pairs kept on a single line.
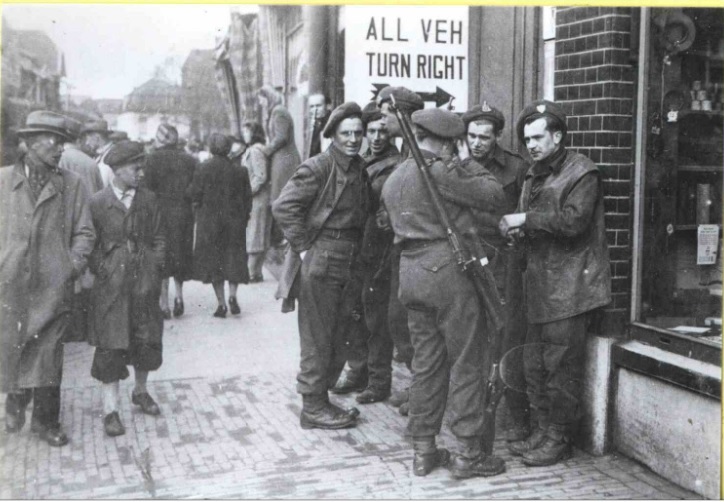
[[424, 49]]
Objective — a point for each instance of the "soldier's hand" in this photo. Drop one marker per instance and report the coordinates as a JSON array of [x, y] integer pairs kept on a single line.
[[463, 151], [510, 222]]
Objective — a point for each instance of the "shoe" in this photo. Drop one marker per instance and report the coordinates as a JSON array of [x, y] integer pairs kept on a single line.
[[480, 466], [112, 425], [256, 278], [318, 414], [550, 452], [14, 413], [352, 412], [166, 314], [520, 448], [372, 395], [54, 436], [404, 409], [146, 402], [234, 306], [178, 308], [400, 397], [288, 305], [220, 312], [345, 385], [424, 463]]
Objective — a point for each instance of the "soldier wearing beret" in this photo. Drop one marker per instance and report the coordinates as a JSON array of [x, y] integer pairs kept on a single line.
[[322, 211], [560, 221], [446, 321], [126, 322], [371, 345], [483, 127], [45, 241]]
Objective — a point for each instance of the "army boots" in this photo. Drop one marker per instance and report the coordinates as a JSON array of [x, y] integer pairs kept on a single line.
[[533, 441], [428, 456], [554, 448], [318, 413], [472, 462]]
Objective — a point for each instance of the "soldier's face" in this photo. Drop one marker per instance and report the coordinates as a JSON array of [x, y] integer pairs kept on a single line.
[[393, 125], [348, 136], [46, 147], [481, 139], [377, 135], [316, 105], [541, 143], [129, 175]]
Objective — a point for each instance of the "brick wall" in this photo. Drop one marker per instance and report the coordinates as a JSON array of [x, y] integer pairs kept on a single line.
[[594, 82]]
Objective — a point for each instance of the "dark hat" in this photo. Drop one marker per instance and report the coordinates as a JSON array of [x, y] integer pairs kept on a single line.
[[442, 123], [219, 144], [539, 109], [485, 112], [45, 121], [124, 153], [95, 126], [404, 97], [166, 135], [116, 136], [73, 126], [343, 111], [371, 113]]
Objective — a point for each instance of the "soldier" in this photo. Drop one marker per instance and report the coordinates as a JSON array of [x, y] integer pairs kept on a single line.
[[126, 321], [371, 349], [46, 236], [484, 127], [445, 318], [322, 211], [560, 219]]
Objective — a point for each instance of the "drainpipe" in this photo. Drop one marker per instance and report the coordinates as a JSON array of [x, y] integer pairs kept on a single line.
[[316, 29]]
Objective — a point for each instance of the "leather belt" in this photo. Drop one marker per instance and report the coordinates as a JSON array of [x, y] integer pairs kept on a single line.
[[411, 244], [345, 234]]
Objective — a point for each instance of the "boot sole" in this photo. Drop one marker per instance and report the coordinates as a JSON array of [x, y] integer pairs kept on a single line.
[[468, 475], [561, 458], [310, 425]]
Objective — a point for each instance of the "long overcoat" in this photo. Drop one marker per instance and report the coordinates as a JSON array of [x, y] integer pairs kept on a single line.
[[280, 149], [258, 232], [168, 173], [44, 246], [127, 261]]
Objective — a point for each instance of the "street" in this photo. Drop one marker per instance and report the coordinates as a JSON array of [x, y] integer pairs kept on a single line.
[[229, 429]]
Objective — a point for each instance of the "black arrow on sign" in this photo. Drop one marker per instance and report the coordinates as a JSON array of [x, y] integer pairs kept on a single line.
[[439, 97]]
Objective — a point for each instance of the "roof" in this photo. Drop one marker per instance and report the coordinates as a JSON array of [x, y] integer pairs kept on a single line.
[[154, 96]]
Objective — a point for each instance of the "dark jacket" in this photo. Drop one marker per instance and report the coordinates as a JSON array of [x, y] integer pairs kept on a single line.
[[44, 246], [127, 261], [568, 271]]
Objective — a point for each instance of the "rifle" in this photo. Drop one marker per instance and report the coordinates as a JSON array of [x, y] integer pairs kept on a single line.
[[482, 278]]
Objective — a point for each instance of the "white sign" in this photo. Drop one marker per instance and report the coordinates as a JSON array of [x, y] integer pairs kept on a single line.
[[707, 244], [422, 48]]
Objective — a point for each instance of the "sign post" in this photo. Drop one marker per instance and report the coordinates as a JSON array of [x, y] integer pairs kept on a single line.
[[424, 49]]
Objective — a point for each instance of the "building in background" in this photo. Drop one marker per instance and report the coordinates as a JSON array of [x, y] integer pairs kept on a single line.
[[151, 104]]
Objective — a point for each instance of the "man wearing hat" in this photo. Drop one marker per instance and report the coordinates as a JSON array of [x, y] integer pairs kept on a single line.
[[322, 211], [117, 136], [560, 218], [319, 110], [126, 322], [44, 246], [96, 143], [408, 102], [168, 173], [446, 320], [370, 359], [483, 128]]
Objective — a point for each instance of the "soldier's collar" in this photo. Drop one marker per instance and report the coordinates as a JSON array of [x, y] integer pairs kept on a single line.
[[340, 158]]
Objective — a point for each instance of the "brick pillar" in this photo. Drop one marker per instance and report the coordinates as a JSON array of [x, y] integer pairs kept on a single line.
[[594, 83]]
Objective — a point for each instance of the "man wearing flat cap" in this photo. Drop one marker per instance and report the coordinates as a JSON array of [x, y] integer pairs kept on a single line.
[[96, 143], [483, 128], [560, 220], [322, 211], [126, 322], [370, 359], [46, 238], [446, 320]]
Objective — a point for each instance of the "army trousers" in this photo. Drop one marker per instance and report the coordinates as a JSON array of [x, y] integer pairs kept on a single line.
[[325, 280], [397, 313], [446, 325], [554, 362]]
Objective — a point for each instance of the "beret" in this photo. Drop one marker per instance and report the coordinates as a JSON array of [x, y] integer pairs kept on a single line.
[[343, 111], [219, 144], [371, 113], [166, 135], [442, 123], [485, 112], [95, 126], [404, 97], [123, 153], [45, 121], [539, 109]]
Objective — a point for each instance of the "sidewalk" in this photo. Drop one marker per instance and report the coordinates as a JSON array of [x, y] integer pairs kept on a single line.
[[230, 429]]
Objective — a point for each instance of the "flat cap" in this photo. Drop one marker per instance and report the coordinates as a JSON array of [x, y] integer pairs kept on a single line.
[[442, 123], [485, 112], [50, 122], [539, 109], [95, 126], [371, 113], [343, 111], [124, 153], [404, 97], [166, 135]]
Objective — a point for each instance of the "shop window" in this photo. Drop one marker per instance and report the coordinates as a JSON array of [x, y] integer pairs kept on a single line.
[[677, 242]]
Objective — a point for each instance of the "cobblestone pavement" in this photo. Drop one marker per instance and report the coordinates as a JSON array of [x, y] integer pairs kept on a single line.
[[229, 429]]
